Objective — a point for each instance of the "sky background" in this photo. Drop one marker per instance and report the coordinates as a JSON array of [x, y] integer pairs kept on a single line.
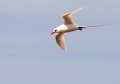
[[30, 55]]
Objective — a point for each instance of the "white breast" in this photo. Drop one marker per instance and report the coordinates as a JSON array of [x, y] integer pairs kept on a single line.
[[66, 28]]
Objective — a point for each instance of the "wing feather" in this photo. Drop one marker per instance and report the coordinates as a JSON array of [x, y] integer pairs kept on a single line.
[[68, 17], [61, 42]]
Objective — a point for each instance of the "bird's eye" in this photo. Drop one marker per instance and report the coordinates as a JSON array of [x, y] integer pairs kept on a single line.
[[55, 30]]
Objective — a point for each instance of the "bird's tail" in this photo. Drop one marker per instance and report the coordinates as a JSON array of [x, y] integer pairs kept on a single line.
[[81, 27], [97, 26]]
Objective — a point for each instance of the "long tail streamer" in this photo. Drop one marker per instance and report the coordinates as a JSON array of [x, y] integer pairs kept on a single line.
[[97, 25]]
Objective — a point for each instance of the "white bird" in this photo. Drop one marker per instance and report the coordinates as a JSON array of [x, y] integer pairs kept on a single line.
[[68, 26]]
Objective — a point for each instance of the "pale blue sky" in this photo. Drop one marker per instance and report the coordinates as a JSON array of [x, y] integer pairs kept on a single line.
[[30, 55]]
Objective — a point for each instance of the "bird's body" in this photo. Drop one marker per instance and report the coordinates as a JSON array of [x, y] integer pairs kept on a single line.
[[68, 26]]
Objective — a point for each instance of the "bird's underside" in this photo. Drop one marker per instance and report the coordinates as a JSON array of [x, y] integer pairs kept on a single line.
[[68, 20], [68, 26]]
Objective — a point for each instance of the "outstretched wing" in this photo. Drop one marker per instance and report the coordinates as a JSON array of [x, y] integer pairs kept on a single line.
[[68, 17], [60, 41]]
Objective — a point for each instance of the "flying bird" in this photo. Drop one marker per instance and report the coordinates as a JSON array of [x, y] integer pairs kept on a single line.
[[68, 26]]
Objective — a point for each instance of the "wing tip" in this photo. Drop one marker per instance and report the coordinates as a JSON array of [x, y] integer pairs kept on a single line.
[[73, 11], [79, 8], [64, 50]]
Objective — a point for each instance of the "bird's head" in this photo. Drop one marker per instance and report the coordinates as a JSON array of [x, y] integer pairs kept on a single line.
[[54, 31]]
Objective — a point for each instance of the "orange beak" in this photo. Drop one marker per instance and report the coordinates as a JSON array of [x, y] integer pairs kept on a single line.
[[52, 33]]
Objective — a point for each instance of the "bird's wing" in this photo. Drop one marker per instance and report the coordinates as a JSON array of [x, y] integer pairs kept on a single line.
[[68, 17], [60, 41]]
